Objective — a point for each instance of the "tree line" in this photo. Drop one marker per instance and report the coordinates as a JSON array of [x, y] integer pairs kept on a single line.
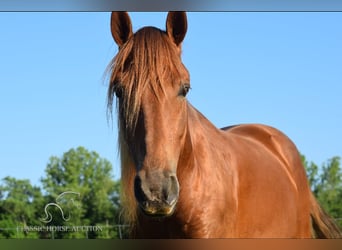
[[78, 198]]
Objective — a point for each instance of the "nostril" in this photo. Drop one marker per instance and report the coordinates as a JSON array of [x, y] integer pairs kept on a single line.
[[171, 199], [174, 185], [137, 182], [172, 192], [138, 191]]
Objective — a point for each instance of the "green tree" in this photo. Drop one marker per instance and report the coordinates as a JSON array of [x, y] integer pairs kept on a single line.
[[19, 203], [86, 192], [329, 189], [312, 174], [326, 184]]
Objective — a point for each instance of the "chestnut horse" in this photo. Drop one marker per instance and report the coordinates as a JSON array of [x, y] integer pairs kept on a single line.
[[184, 178]]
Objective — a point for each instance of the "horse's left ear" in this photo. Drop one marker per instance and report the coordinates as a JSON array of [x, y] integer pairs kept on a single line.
[[176, 26]]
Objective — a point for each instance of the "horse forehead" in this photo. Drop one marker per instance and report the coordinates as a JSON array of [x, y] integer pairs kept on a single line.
[[148, 30]]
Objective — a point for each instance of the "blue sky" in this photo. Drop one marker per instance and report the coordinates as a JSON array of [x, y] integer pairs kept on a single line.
[[281, 69]]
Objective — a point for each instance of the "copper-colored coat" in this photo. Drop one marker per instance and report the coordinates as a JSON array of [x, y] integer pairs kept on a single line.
[[241, 181]]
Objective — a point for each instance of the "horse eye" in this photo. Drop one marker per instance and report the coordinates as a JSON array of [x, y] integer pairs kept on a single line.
[[118, 91], [185, 89]]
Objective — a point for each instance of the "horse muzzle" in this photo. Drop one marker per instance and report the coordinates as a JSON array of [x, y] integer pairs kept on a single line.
[[157, 193]]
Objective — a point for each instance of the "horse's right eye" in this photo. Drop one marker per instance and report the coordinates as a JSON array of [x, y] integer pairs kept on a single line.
[[118, 91]]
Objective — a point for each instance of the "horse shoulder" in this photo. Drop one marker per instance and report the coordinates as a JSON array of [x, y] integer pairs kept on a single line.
[[262, 142], [276, 143]]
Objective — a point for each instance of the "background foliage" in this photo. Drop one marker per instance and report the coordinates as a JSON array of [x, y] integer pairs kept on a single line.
[[326, 184], [79, 198]]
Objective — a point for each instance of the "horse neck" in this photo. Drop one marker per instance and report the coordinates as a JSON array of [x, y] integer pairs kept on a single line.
[[201, 134], [201, 130]]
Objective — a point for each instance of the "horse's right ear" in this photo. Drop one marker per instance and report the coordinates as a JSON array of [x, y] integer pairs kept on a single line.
[[121, 27]]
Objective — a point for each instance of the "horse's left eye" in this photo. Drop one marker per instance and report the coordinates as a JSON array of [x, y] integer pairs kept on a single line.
[[118, 91], [185, 89]]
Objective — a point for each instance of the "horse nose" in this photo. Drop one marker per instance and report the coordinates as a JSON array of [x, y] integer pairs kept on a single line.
[[157, 195], [171, 190]]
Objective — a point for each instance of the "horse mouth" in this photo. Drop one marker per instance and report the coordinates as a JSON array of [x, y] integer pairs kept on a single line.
[[157, 210]]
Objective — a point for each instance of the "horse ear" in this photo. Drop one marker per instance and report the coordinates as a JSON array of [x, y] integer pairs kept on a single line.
[[176, 26], [121, 27]]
